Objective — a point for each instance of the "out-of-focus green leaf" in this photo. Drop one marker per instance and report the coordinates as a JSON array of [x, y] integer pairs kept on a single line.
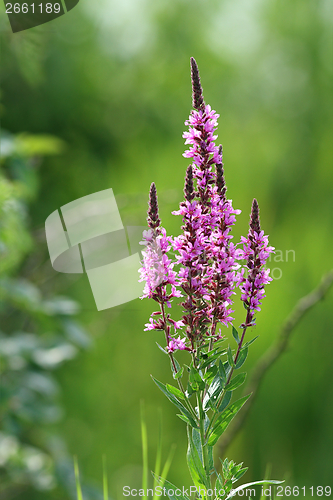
[[38, 145]]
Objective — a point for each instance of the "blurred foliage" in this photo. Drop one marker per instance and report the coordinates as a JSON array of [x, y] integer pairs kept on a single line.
[[38, 333], [111, 80]]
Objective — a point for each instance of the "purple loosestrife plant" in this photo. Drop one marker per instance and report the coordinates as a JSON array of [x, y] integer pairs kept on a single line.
[[204, 272]]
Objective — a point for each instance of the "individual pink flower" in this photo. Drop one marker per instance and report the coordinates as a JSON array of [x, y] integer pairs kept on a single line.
[[176, 344]]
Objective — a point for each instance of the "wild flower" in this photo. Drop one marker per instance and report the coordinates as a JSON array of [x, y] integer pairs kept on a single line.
[[256, 252], [157, 269], [205, 272]]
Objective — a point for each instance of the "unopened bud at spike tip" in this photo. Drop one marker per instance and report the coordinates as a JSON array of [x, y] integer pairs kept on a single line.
[[153, 220], [220, 182], [189, 189], [197, 95], [254, 219]]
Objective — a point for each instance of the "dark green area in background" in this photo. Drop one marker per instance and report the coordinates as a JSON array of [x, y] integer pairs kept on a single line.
[[115, 87], [70, 4], [35, 16]]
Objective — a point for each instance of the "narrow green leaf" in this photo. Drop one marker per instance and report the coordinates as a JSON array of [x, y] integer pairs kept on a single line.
[[222, 373], [235, 335], [189, 390], [159, 479], [241, 473], [161, 348], [175, 401], [212, 358], [174, 373], [158, 450], [144, 440], [197, 443], [225, 467], [242, 357], [194, 463], [250, 341], [227, 368], [195, 379], [219, 485], [225, 418], [184, 418], [210, 459], [77, 480], [105, 480], [206, 423], [225, 401], [210, 374], [236, 382], [228, 485], [235, 469], [170, 489], [179, 374], [175, 391], [230, 357], [213, 393]]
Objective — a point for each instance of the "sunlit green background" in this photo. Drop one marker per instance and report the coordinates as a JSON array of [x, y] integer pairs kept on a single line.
[[111, 80]]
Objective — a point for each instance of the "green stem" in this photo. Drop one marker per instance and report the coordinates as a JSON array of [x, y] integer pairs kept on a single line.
[[231, 370], [203, 442], [180, 385]]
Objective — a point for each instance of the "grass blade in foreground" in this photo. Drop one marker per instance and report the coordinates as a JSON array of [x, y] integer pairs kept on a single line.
[[77, 480]]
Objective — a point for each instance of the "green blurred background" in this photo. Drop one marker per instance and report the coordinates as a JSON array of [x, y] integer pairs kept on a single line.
[[111, 81]]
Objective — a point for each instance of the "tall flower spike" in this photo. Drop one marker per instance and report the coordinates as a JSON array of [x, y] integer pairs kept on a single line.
[[256, 252], [204, 251], [152, 219], [197, 96]]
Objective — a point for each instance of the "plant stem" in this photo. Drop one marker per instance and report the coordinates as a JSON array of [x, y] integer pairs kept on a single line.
[[247, 321], [180, 385], [203, 441]]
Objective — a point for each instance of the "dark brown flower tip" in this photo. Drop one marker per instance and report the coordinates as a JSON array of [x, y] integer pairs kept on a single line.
[[197, 95], [188, 188], [153, 220], [220, 181], [254, 219]]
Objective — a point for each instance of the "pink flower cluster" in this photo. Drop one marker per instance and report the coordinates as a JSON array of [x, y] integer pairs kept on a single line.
[[208, 272], [157, 268], [202, 125]]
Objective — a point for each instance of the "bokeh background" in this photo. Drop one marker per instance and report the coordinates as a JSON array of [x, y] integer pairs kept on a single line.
[[97, 99]]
